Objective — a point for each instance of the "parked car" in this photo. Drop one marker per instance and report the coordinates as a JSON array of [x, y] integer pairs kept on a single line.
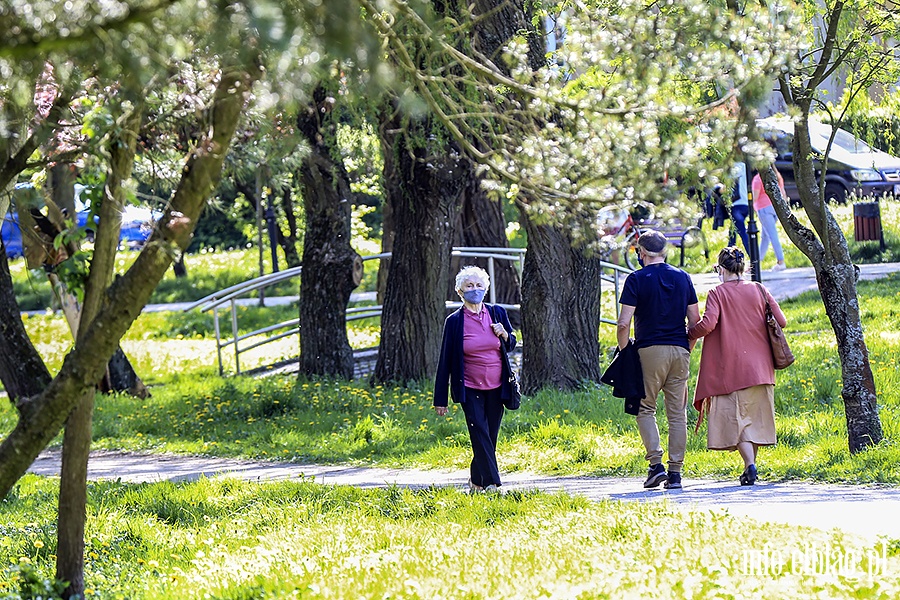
[[137, 221], [853, 166], [11, 234]]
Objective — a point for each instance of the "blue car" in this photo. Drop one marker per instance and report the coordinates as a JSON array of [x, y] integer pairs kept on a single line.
[[137, 223], [11, 234]]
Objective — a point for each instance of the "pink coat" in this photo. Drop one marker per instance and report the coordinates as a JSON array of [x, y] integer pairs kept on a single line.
[[736, 352]]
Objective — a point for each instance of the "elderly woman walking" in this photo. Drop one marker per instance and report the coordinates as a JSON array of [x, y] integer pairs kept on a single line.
[[472, 367], [736, 383]]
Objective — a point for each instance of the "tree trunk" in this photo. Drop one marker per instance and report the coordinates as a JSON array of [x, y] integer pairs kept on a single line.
[[826, 247], [328, 258], [424, 192], [387, 244], [561, 290], [42, 416], [61, 182], [72, 510], [481, 223], [837, 285], [77, 437], [288, 240], [121, 377], [179, 268], [22, 371]]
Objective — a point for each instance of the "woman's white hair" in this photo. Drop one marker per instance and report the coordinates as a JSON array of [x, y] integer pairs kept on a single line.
[[472, 272]]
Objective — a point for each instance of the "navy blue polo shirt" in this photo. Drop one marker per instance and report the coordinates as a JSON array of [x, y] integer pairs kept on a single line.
[[660, 295]]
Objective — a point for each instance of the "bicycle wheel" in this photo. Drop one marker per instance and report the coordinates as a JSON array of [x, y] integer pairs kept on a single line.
[[628, 251], [695, 250]]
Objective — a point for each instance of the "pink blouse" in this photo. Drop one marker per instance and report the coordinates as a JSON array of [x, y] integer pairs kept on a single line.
[[760, 197], [481, 351], [736, 353]]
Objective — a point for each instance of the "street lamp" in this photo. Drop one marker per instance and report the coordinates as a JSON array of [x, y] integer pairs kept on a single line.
[[752, 230]]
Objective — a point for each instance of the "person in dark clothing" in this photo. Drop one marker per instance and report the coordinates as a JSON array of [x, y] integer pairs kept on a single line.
[[662, 302], [472, 368]]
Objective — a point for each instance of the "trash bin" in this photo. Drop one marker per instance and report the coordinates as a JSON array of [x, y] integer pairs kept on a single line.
[[866, 222]]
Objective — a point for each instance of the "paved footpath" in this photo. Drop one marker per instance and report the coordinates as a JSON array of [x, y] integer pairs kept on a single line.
[[867, 511], [793, 282]]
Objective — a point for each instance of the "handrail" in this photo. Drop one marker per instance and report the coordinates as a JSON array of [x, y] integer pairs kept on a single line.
[[291, 327], [217, 298]]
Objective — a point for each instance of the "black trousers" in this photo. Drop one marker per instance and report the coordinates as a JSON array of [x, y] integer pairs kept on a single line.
[[484, 411]]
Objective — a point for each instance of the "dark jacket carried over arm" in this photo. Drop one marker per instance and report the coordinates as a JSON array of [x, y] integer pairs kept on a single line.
[[450, 365], [626, 377]]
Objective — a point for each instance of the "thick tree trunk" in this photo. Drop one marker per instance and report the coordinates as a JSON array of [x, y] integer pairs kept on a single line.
[[481, 223], [424, 193], [72, 510], [22, 371], [42, 416], [560, 288], [328, 258]]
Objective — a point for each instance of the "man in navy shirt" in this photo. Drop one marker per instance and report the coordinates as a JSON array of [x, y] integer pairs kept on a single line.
[[663, 303]]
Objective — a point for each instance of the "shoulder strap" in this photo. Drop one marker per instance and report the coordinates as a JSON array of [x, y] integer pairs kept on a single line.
[[762, 293]]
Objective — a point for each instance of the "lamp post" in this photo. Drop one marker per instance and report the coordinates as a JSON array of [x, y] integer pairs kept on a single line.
[[752, 230], [273, 234]]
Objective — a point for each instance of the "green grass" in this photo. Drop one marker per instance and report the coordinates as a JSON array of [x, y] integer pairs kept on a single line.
[[192, 410], [234, 540], [226, 539]]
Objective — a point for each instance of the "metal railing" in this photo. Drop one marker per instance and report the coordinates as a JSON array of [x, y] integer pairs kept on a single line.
[[237, 295]]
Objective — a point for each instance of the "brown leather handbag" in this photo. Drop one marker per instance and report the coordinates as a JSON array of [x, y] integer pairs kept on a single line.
[[781, 352]]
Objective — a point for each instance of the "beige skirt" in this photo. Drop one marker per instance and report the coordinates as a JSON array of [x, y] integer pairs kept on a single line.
[[746, 415]]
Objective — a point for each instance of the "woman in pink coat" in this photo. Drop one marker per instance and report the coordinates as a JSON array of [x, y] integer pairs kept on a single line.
[[736, 383]]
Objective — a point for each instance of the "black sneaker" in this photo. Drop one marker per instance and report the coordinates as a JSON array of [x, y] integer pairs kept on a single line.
[[656, 474], [748, 477], [673, 481]]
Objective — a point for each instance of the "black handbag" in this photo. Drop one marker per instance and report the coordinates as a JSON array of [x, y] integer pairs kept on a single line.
[[515, 399]]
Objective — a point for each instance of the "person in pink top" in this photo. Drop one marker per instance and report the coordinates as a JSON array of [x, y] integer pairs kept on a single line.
[[768, 219], [473, 372], [736, 382]]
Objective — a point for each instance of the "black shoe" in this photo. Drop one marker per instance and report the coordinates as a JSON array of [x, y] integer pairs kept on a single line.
[[673, 481], [748, 477], [656, 474]]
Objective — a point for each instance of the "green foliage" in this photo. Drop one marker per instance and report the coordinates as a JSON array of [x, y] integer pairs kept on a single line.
[[876, 123], [30, 584]]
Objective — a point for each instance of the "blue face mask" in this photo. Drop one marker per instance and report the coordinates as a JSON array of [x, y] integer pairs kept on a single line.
[[474, 296]]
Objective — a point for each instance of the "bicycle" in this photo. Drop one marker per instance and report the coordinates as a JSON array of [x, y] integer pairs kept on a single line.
[[622, 245]]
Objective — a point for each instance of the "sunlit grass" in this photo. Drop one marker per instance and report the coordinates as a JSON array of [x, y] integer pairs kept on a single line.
[[293, 539], [193, 410]]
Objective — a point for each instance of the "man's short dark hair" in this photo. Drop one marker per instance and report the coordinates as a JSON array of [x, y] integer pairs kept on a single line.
[[652, 241]]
